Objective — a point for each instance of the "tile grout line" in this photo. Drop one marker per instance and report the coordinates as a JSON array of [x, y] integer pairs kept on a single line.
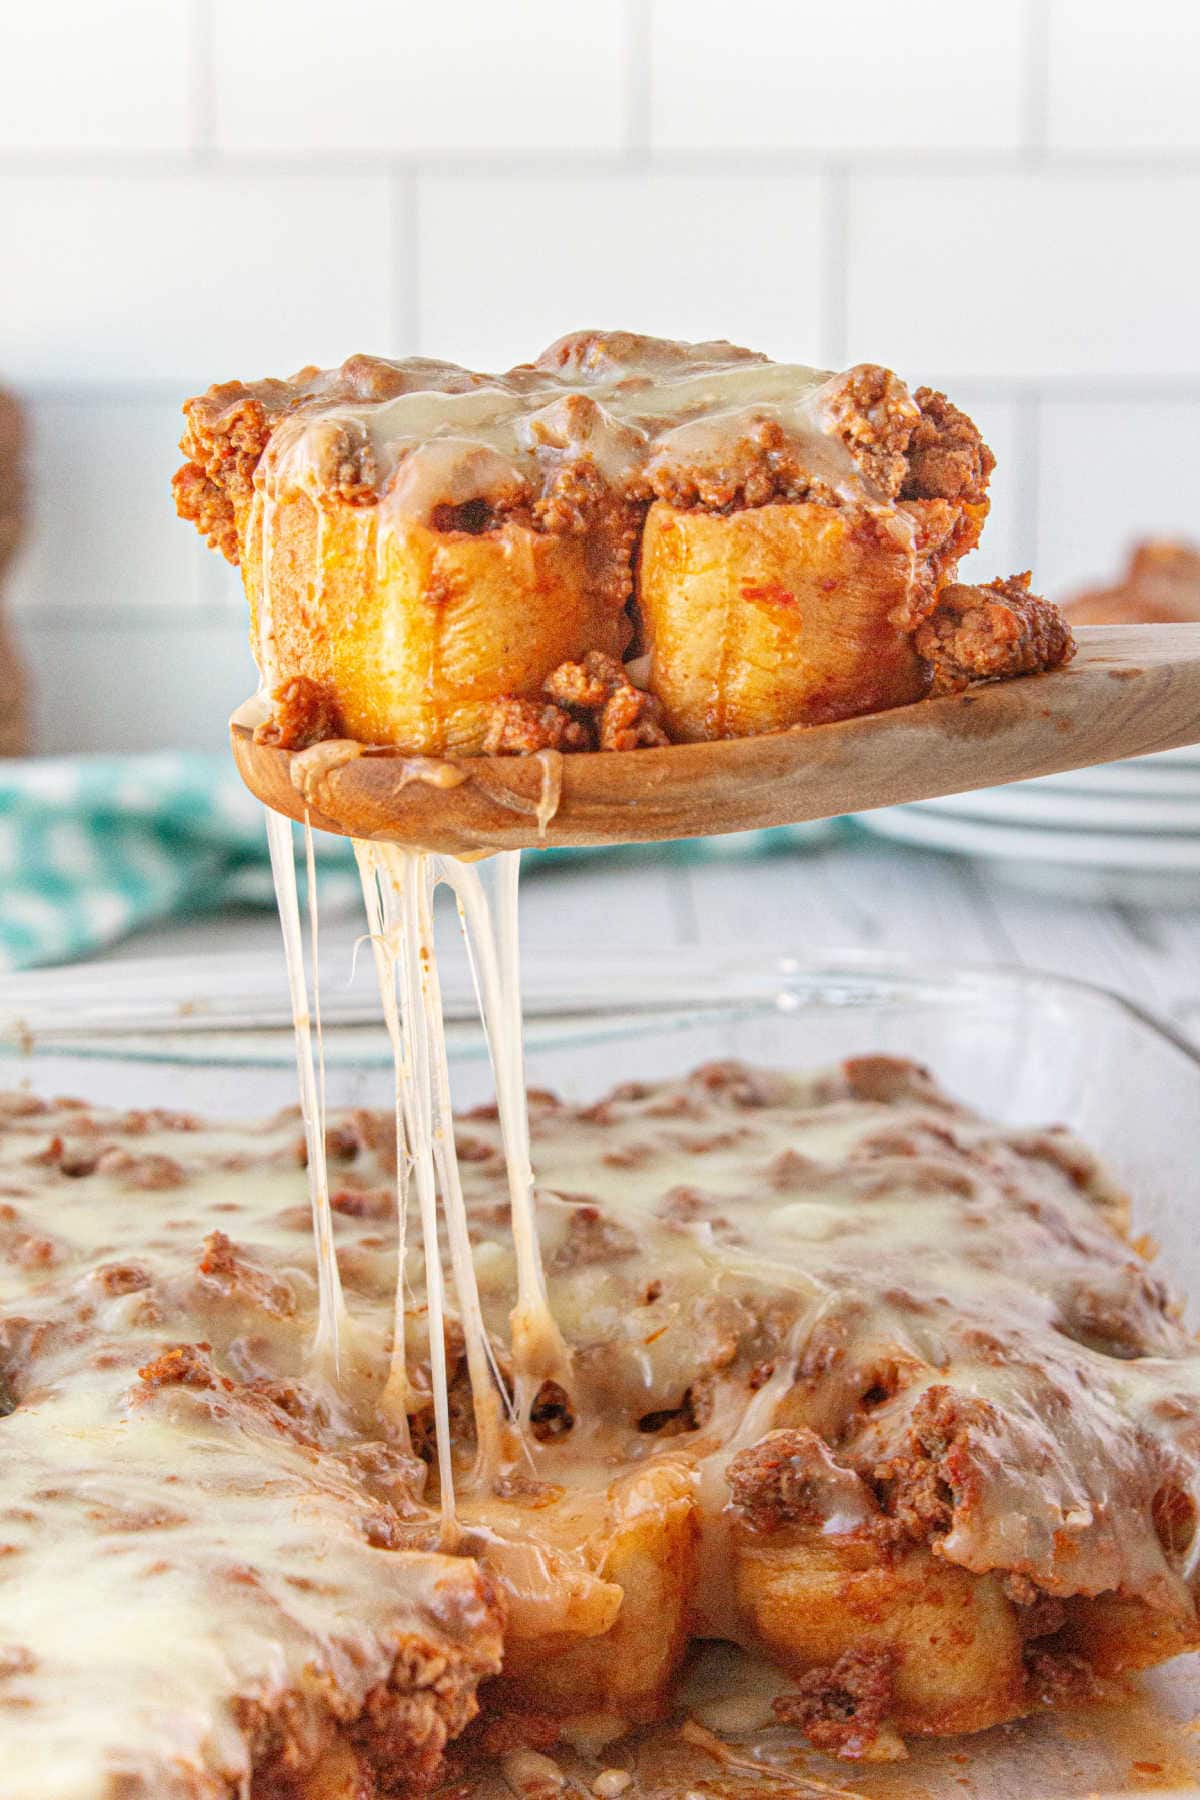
[[1029, 449], [156, 618], [203, 96], [901, 163], [405, 257], [639, 80], [1036, 108], [835, 251]]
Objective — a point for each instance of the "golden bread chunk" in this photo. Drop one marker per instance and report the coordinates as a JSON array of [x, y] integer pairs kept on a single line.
[[418, 650], [951, 1638], [776, 616], [647, 1550]]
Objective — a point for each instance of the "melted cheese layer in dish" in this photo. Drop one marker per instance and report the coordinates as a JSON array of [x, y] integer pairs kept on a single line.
[[852, 1378]]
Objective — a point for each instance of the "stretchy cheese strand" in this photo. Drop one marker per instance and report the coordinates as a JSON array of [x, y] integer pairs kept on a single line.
[[538, 1350], [395, 1399], [332, 1320]]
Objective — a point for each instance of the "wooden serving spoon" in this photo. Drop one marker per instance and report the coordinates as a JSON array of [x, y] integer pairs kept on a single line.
[[1130, 690]]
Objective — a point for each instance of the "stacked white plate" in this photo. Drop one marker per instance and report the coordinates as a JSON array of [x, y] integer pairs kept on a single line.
[[1124, 832]]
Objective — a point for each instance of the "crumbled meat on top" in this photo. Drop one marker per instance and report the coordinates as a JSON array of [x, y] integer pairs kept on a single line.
[[227, 1271], [947, 457], [600, 354], [592, 1236], [919, 446], [590, 472], [791, 1478], [226, 434], [761, 465], [183, 1365], [771, 1483], [876, 419], [935, 1472], [991, 632]]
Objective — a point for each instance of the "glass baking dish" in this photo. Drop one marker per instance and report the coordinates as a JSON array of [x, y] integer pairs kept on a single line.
[[1022, 1047]]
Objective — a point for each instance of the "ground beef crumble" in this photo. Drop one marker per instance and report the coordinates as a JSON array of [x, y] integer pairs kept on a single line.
[[183, 1365], [841, 1708], [876, 419], [224, 439], [918, 446], [588, 705], [225, 1270], [920, 1488], [523, 727], [591, 1237], [790, 1478], [302, 713], [769, 1483], [1059, 1678], [992, 632], [947, 457]]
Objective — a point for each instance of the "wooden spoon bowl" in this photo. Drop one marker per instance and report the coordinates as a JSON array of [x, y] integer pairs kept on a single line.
[[1131, 689]]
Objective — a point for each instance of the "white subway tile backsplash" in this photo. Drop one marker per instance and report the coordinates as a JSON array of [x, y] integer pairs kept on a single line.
[[1025, 275], [383, 75], [192, 190], [777, 75], [193, 278], [1124, 77], [508, 265], [79, 76], [1110, 473], [103, 533], [1004, 548], [119, 685]]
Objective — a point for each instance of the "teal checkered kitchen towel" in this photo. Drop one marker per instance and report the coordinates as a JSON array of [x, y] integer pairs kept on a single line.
[[91, 847]]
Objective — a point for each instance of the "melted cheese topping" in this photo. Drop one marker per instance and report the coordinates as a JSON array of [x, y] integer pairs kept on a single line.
[[630, 407], [191, 1542], [734, 1252]]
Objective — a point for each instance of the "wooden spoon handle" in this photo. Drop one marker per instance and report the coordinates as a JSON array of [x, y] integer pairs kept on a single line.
[[1132, 689]]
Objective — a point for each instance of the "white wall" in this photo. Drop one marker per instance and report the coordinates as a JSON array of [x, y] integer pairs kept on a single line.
[[1001, 197]]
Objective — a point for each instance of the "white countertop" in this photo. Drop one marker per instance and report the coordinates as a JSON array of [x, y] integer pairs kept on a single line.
[[846, 894]]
